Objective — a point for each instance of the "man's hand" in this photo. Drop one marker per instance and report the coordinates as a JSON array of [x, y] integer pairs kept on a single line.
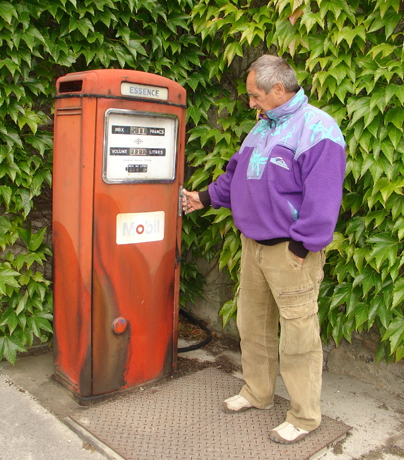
[[194, 203], [301, 260]]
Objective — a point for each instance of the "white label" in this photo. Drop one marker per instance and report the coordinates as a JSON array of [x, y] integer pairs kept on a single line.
[[139, 147], [144, 91], [139, 227]]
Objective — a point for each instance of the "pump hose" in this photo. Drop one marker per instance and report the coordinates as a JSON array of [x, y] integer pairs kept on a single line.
[[198, 323]]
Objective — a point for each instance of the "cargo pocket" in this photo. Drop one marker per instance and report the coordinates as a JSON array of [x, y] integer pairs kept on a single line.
[[299, 321]]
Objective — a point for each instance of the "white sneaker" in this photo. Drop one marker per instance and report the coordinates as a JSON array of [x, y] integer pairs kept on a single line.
[[238, 403], [286, 433]]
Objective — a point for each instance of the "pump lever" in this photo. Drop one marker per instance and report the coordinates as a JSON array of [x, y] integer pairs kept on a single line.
[[181, 196]]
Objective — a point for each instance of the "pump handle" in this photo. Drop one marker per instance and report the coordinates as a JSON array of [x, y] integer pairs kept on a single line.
[[181, 196]]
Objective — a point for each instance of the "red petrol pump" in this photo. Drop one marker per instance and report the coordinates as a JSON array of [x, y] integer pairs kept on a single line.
[[118, 170]]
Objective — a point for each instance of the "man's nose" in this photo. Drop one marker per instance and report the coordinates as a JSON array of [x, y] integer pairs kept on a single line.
[[252, 102]]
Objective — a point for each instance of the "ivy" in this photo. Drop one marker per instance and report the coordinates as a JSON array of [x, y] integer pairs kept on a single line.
[[39, 41], [348, 57]]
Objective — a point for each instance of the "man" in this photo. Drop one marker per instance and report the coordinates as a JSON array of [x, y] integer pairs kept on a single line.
[[284, 187]]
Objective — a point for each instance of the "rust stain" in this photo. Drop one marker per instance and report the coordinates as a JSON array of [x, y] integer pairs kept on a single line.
[[72, 322]]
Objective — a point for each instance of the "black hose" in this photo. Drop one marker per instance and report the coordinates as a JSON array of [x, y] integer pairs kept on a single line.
[[198, 323]]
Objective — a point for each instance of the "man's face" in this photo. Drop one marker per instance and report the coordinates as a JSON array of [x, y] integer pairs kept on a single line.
[[259, 99]]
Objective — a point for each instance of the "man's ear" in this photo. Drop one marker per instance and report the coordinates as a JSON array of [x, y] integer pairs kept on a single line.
[[279, 90]]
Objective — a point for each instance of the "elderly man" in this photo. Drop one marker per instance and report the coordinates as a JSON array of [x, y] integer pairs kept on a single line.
[[284, 187]]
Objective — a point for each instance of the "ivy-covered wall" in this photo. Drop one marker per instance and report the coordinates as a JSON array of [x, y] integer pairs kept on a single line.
[[349, 60]]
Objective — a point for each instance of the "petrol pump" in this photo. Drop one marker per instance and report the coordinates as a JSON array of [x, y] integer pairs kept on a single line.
[[118, 171]]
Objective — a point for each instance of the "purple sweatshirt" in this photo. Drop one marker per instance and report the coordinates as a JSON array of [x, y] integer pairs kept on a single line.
[[286, 180]]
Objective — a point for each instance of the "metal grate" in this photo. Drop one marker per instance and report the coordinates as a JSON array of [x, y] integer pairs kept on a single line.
[[183, 420]]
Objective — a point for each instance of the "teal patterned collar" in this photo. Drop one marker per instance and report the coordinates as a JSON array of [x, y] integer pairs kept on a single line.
[[284, 111]]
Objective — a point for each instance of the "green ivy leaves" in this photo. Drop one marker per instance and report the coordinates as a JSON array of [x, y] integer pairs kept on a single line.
[[348, 56], [29, 309], [353, 53], [25, 169], [40, 41]]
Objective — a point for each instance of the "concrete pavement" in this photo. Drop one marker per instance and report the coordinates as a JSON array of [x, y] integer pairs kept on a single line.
[[32, 406], [30, 432]]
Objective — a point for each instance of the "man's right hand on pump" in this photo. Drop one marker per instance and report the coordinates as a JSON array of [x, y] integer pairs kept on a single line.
[[194, 203]]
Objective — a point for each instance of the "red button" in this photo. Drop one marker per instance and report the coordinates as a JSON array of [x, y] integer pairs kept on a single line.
[[119, 325]]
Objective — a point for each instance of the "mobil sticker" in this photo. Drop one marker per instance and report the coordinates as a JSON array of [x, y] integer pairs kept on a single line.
[[139, 227]]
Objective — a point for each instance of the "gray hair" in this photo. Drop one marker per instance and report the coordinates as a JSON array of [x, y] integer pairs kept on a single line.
[[272, 69]]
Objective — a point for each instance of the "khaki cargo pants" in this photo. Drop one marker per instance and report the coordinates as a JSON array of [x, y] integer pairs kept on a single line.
[[275, 287]]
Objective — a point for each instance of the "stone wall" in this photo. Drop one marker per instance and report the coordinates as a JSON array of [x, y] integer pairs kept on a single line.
[[217, 290], [358, 359]]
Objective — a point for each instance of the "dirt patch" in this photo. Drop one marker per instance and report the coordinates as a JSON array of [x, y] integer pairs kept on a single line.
[[339, 446], [187, 366], [216, 347], [190, 331], [219, 343], [393, 446]]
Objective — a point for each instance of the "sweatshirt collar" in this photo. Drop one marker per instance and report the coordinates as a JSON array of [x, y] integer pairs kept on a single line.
[[284, 111]]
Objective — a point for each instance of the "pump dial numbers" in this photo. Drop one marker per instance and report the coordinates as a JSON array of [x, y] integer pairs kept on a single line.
[[139, 146], [127, 151], [136, 168], [138, 130]]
